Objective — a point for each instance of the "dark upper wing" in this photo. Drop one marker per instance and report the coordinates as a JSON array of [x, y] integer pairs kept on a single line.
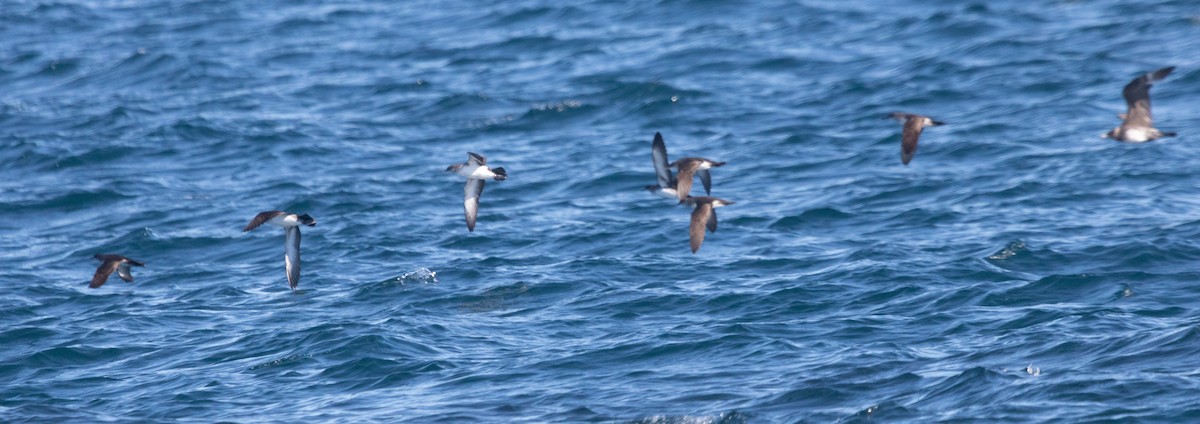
[[700, 217], [476, 158], [908, 143], [291, 257], [103, 271], [1137, 97], [683, 183], [471, 195], [261, 218], [661, 167]]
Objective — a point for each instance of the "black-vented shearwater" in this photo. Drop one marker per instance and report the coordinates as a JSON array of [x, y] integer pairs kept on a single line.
[[913, 124], [704, 216], [688, 167], [291, 246], [110, 263], [1139, 126], [476, 171]]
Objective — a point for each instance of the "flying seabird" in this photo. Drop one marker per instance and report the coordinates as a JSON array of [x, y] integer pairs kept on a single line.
[[669, 185], [704, 216], [110, 263], [291, 230], [476, 171], [913, 124], [1138, 126]]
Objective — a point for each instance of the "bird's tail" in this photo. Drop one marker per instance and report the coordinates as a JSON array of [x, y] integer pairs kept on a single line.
[[501, 174]]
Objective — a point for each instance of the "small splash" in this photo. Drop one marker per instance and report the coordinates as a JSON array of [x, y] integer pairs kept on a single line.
[[1032, 370], [1127, 292], [723, 418], [418, 276], [1009, 250]]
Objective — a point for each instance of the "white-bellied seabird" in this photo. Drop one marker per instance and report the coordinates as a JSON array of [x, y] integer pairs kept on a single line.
[[913, 124], [1139, 126], [476, 171], [110, 263], [704, 216], [291, 246]]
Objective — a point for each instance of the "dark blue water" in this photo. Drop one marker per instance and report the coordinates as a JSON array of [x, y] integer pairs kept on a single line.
[[1021, 269]]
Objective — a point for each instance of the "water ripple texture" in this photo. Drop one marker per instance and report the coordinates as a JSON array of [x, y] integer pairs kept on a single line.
[[1020, 269]]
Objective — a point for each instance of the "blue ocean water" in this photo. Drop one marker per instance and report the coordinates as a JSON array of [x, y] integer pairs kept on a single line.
[[1021, 269]]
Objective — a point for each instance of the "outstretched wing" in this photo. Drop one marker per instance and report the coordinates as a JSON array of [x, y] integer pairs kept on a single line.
[[706, 180], [1137, 98], [103, 272], [908, 141], [700, 217], [291, 256], [687, 169], [123, 272], [662, 168], [262, 218], [476, 158], [471, 195]]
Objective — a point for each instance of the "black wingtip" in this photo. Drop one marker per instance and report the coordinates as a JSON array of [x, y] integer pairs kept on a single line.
[[501, 174], [1162, 73], [1169, 134]]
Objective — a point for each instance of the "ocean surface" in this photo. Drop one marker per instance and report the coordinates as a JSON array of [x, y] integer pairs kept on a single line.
[[1020, 269]]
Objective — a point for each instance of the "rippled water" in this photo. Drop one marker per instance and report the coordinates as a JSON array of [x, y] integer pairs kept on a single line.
[[1021, 269]]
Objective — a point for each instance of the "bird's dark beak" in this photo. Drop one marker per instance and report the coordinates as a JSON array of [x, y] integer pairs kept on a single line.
[[936, 123]]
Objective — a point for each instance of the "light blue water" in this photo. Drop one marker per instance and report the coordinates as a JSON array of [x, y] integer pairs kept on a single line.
[[841, 287]]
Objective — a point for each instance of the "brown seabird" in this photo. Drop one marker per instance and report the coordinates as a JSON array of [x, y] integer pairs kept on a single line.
[[1138, 126], [913, 124], [110, 263]]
